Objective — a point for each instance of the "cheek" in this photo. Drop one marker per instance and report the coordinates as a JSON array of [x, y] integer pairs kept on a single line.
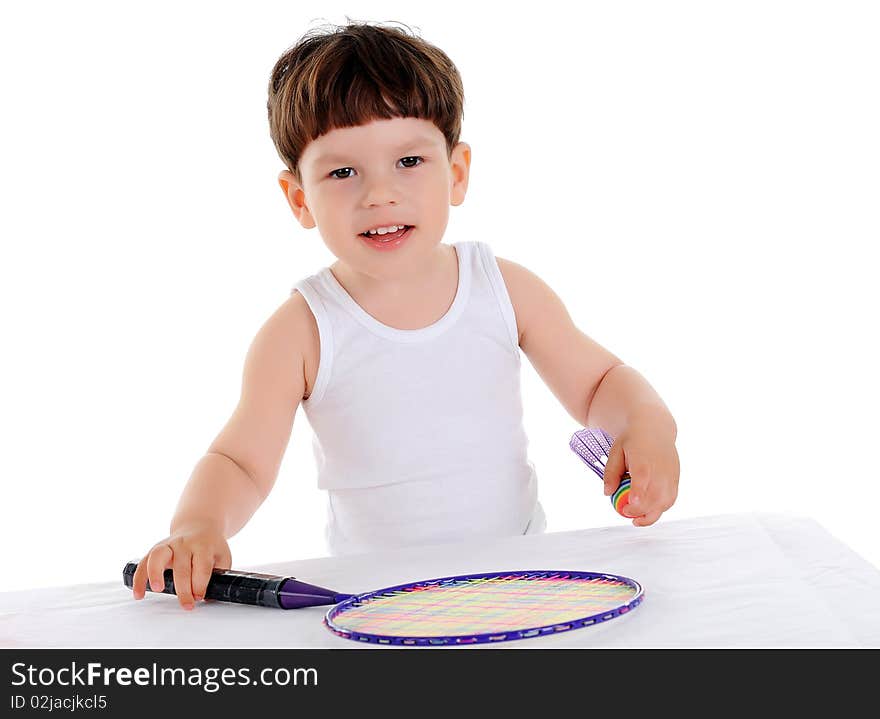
[[435, 192], [333, 204]]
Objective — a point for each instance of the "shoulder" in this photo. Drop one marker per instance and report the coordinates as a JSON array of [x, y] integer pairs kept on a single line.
[[528, 293], [515, 274], [289, 340]]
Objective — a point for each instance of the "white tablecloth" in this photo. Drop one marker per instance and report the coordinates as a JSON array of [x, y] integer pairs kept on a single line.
[[741, 580]]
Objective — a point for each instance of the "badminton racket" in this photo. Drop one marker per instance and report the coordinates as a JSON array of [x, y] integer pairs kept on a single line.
[[449, 611], [483, 608], [593, 446]]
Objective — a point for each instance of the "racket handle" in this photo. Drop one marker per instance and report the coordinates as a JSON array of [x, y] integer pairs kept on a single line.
[[264, 590]]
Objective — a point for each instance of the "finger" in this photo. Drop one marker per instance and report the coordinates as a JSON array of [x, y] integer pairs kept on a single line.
[[655, 495], [647, 519], [650, 505], [160, 558], [673, 494], [139, 580], [202, 566], [615, 466], [223, 560], [640, 496], [631, 511], [182, 567]]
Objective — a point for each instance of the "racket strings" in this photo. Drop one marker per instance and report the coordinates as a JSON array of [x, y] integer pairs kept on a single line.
[[485, 604]]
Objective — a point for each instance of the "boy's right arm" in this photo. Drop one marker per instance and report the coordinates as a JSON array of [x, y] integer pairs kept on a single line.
[[240, 467]]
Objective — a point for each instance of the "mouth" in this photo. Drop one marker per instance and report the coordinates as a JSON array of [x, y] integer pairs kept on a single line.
[[388, 242], [388, 237]]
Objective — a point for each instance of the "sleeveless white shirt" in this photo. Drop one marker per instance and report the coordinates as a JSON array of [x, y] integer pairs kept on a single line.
[[418, 434]]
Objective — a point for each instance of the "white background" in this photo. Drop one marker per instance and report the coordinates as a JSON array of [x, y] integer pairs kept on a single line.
[[698, 181]]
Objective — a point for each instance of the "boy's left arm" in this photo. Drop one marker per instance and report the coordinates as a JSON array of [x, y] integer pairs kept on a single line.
[[599, 390]]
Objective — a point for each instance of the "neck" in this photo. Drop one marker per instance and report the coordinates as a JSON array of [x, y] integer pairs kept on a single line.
[[433, 270]]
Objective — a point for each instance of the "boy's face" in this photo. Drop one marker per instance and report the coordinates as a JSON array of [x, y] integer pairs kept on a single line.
[[360, 178]]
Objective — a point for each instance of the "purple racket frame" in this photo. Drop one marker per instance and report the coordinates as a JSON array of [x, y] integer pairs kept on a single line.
[[489, 637]]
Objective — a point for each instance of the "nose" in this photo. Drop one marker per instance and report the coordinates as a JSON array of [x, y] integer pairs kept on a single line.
[[380, 190]]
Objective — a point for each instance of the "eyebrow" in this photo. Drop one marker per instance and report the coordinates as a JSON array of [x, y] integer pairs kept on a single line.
[[415, 142]]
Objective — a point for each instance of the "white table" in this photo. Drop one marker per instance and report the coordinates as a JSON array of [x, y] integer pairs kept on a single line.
[[740, 580]]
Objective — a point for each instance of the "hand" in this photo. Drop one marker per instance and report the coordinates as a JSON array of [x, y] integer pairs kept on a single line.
[[192, 553], [647, 451]]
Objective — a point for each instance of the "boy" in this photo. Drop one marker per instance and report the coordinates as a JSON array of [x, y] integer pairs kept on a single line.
[[405, 353]]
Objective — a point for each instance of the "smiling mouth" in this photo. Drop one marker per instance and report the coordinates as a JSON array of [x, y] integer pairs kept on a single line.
[[377, 236]]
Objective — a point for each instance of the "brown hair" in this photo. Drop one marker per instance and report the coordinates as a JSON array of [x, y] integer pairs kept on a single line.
[[353, 75]]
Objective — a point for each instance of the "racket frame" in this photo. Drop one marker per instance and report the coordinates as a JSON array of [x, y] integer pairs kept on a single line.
[[487, 637]]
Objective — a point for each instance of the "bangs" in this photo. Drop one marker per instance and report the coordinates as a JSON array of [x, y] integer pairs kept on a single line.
[[356, 75]]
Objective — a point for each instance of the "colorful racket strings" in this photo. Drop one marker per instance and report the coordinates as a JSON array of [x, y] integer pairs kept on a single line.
[[484, 608]]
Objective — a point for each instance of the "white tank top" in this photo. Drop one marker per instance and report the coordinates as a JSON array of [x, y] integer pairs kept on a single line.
[[418, 434]]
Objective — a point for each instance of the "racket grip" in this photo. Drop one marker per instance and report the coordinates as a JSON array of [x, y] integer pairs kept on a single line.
[[226, 585]]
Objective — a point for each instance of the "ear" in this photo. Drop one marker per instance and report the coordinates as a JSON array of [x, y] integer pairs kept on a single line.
[[296, 198], [460, 164]]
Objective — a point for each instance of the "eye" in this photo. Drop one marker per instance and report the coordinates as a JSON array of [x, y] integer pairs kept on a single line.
[[408, 162]]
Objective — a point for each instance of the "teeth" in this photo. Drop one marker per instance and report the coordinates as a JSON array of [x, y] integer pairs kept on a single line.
[[385, 230]]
